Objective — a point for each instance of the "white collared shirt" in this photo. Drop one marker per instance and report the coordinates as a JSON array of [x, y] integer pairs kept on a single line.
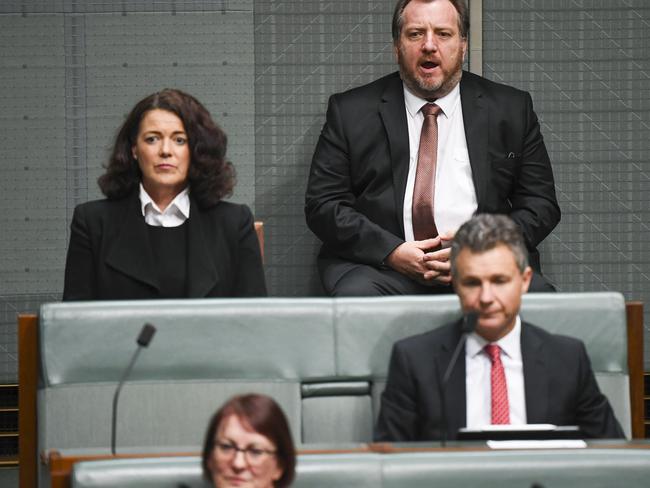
[[477, 378], [176, 213], [455, 195]]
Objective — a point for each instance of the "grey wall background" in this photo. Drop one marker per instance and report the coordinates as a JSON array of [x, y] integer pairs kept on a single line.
[[71, 69], [587, 65]]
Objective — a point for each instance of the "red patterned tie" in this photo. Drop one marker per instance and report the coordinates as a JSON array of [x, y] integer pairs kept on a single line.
[[424, 226], [500, 408]]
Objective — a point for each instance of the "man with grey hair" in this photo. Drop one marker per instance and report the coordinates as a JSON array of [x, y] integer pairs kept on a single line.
[[402, 162], [510, 372], [486, 232]]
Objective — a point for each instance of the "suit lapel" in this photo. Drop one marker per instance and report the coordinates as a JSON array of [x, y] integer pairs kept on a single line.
[[202, 275], [393, 115], [535, 376], [476, 122], [130, 253], [455, 397]]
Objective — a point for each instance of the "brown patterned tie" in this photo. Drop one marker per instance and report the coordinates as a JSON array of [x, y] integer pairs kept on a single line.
[[500, 406], [424, 226]]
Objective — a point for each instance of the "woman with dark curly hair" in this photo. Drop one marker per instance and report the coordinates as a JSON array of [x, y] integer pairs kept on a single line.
[[163, 230], [248, 444]]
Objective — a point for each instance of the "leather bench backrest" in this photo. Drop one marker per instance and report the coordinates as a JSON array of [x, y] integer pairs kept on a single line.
[[578, 468], [324, 360], [367, 328]]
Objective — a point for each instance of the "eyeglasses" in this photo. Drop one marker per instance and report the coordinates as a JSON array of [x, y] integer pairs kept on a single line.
[[253, 455]]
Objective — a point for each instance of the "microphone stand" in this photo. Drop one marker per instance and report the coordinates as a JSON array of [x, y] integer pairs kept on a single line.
[[144, 338], [467, 327]]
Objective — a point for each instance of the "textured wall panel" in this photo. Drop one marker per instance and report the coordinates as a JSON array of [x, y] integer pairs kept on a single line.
[[209, 55], [33, 183], [587, 65], [124, 6], [305, 51], [70, 71]]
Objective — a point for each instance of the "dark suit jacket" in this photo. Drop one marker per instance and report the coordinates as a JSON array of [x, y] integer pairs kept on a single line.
[[355, 193], [109, 257], [560, 387]]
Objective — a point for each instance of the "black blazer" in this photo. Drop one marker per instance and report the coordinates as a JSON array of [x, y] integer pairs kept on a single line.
[[560, 387], [109, 257], [355, 194]]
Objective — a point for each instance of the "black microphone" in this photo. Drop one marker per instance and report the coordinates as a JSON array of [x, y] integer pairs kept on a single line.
[[144, 338], [468, 325]]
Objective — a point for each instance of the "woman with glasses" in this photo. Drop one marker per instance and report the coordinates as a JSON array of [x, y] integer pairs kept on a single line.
[[248, 444]]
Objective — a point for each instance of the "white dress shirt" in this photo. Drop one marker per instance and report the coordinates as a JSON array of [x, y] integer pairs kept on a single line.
[[455, 196], [176, 213], [477, 378]]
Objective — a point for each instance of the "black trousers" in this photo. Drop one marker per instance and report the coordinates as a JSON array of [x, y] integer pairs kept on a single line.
[[342, 278]]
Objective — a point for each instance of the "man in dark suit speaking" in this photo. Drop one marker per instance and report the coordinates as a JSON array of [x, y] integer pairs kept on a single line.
[[509, 371], [402, 162]]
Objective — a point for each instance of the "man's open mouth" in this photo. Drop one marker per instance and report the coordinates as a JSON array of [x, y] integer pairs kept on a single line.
[[428, 65]]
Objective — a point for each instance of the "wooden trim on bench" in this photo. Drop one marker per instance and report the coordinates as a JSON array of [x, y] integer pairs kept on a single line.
[[27, 385], [259, 230], [634, 313]]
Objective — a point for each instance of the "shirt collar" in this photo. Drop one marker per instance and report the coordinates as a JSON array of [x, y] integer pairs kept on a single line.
[[448, 103], [510, 344], [180, 203]]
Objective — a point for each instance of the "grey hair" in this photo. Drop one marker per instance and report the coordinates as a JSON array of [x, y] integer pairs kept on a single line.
[[484, 232], [459, 5]]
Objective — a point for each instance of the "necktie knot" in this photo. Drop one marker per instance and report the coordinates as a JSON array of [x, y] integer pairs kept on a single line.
[[430, 109], [493, 351]]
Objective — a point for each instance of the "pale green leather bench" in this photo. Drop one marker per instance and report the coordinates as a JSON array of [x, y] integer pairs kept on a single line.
[[580, 468], [324, 360]]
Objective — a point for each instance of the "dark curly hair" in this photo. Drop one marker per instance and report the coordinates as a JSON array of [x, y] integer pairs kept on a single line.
[[263, 415], [211, 177]]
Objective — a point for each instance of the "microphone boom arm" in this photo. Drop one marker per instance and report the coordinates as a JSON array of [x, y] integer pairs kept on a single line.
[[144, 338]]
